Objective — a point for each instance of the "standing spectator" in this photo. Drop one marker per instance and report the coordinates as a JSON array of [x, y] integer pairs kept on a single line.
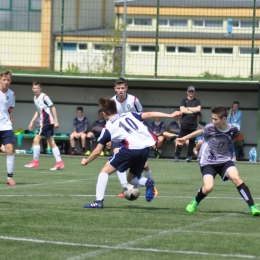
[[158, 127], [234, 118], [97, 127], [47, 112], [199, 139], [7, 101], [80, 124], [190, 106]]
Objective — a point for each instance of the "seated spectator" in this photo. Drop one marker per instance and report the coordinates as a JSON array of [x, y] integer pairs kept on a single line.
[[158, 127], [80, 124], [97, 127], [199, 139], [174, 129]]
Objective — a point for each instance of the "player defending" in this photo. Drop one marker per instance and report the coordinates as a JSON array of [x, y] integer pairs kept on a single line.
[[127, 128], [47, 112], [127, 103], [215, 158], [7, 103]]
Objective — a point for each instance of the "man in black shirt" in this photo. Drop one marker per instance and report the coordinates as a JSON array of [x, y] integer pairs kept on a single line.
[[189, 108]]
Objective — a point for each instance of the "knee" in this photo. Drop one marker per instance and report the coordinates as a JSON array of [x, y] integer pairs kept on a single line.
[[207, 188], [237, 180]]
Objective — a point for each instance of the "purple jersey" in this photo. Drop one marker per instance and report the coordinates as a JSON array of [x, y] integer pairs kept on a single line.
[[216, 146]]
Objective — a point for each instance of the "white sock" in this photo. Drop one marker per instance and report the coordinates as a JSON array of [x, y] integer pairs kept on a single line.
[[139, 182], [122, 178], [101, 185], [10, 163], [147, 174], [36, 152], [56, 153]]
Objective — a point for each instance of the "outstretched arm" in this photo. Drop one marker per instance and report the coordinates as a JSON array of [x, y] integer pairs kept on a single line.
[[93, 155], [146, 115], [181, 141]]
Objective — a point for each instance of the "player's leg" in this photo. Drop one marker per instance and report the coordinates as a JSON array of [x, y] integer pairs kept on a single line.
[[148, 174], [72, 144], [7, 139], [36, 152], [56, 153], [83, 137], [89, 138], [48, 149], [178, 149], [190, 146], [233, 175]]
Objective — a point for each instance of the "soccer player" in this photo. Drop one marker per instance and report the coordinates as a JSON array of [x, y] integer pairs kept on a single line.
[[127, 103], [7, 103], [127, 128], [47, 112], [215, 158]]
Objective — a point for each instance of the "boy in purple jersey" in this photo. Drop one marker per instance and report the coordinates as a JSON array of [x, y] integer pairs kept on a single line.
[[127, 128], [7, 103], [215, 158]]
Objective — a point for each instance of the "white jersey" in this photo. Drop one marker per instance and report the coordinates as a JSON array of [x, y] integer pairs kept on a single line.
[[127, 128], [7, 101], [43, 104], [130, 104]]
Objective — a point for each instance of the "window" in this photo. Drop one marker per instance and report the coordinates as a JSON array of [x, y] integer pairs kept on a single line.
[[68, 46], [163, 22], [143, 48], [248, 50], [82, 46], [186, 49], [5, 5], [139, 22], [208, 23], [181, 49], [173, 22], [245, 24], [217, 51], [35, 5], [148, 48], [134, 48], [102, 47], [170, 49]]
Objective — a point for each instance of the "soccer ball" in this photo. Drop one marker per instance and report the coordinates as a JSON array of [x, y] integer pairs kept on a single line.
[[132, 192]]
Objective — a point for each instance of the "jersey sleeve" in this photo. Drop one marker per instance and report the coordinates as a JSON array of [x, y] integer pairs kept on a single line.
[[104, 137], [138, 105], [183, 103], [47, 101], [137, 115], [13, 102], [198, 102]]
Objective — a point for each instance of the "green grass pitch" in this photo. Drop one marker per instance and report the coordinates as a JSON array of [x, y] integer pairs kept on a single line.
[[42, 217]]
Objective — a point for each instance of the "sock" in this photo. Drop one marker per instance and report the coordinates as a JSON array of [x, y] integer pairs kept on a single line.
[[245, 194], [10, 165], [56, 153], [101, 185], [36, 152], [122, 178], [88, 144], [200, 196], [83, 149], [139, 182], [73, 148], [147, 174]]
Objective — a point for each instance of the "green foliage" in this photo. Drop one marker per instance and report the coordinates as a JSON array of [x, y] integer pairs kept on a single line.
[[46, 210], [73, 69]]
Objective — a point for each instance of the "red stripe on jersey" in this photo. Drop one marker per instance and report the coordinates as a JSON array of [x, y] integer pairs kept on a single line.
[[126, 144], [42, 117], [153, 136], [134, 99]]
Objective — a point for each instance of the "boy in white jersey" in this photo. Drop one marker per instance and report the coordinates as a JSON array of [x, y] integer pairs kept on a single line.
[[215, 158], [127, 128], [7, 103], [127, 103], [47, 112]]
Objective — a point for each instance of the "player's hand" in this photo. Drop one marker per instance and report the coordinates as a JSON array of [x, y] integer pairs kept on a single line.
[[30, 126], [180, 141], [56, 124], [84, 162], [176, 113]]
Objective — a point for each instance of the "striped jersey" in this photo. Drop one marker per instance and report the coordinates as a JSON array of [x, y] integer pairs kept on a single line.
[[130, 104], [43, 104], [216, 146], [7, 101], [127, 128]]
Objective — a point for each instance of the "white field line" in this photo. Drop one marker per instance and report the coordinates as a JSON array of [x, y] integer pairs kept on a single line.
[[128, 248], [149, 237]]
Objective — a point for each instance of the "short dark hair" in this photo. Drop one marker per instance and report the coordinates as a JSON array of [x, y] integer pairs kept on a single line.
[[6, 73], [220, 111], [236, 102], [120, 81], [80, 109], [100, 111], [36, 83], [107, 106]]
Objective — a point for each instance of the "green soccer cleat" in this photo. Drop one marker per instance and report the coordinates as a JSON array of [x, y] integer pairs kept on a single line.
[[254, 210], [192, 206]]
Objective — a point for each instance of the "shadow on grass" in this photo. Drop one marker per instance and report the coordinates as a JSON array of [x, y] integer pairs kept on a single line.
[[223, 212], [147, 208]]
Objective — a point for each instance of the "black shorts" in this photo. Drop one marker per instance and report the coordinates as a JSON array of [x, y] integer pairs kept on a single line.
[[7, 137], [219, 169], [46, 130]]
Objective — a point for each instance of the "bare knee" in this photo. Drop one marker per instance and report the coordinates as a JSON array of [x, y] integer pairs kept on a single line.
[[207, 188]]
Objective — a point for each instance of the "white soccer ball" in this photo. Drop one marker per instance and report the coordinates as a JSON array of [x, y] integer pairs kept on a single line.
[[132, 192]]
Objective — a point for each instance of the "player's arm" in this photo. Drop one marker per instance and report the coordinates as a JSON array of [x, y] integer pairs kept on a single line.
[[54, 114], [181, 141], [146, 115], [138, 105], [96, 152], [194, 109], [36, 115], [185, 110]]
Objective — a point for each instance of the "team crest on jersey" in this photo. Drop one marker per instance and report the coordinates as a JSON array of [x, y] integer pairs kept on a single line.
[[7, 98], [128, 106]]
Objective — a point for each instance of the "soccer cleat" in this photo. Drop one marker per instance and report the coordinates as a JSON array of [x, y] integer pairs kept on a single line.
[[176, 159], [107, 153], [155, 191], [83, 152], [97, 204], [10, 181], [32, 164], [73, 152], [121, 195], [254, 210], [149, 193], [157, 153], [102, 153], [188, 159], [59, 165], [30, 151], [88, 153], [192, 206]]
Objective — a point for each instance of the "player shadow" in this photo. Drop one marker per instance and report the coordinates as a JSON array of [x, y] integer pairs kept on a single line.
[[147, 208], [223, 211]]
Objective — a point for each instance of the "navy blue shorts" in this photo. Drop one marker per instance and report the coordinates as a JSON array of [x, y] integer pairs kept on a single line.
[[46, 130], [117, 145], [7, 137], [219, 169], [130, 159]]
